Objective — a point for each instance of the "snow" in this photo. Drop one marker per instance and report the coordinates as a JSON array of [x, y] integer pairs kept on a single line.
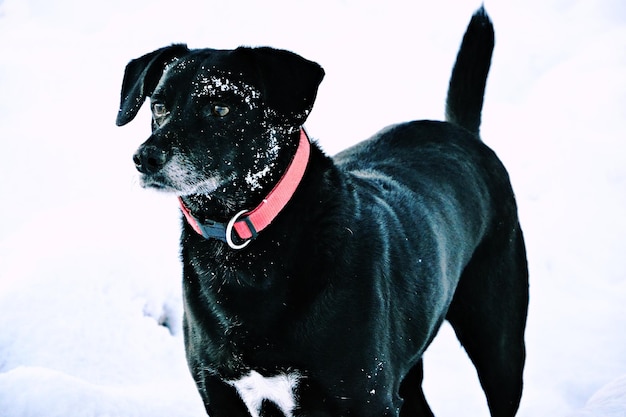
[[210, 85], [89, 271]]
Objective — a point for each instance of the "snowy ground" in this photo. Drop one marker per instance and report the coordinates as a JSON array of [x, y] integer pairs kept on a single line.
[[89, 270]]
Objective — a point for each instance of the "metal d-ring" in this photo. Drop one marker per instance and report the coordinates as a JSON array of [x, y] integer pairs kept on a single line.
[[229, 232]]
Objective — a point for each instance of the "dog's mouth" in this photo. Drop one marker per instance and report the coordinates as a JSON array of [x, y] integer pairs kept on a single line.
[[180, 185], [155, 183], [181, 177]]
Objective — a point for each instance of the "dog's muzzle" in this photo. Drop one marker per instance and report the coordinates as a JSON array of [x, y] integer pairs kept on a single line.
[[150, 159]]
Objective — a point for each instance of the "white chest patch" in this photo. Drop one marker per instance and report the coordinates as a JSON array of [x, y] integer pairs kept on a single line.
[[254, 388]]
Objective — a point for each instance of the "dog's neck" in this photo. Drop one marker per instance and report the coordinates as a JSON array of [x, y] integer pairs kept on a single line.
[[246, 224]]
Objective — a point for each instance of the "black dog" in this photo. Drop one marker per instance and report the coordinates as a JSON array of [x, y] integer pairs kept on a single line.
[[313, 285]]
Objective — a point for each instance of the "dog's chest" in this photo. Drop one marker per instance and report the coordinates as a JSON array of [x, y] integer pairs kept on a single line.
[[254, 388]]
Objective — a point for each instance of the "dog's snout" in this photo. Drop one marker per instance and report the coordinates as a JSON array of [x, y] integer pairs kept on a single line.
[[149, 159]]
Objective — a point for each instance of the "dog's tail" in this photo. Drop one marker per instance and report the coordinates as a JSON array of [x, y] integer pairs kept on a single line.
[[469, 76]]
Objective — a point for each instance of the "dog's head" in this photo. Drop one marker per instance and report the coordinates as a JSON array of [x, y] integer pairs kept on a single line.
[[221, 119]]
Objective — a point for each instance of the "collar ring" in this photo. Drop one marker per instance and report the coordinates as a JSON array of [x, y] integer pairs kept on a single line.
[[229, 232]]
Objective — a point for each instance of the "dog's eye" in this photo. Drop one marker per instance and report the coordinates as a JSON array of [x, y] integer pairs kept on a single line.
[[220, 110], [159, 110]]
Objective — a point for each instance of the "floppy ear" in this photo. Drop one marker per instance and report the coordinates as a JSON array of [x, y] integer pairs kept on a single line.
[[141, 78], [288, 82]]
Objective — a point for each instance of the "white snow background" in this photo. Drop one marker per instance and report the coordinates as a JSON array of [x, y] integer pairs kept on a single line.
[[89, 267]]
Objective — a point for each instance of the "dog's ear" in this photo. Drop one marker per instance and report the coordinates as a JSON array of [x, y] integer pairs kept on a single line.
[[288, 81], [141, 78]]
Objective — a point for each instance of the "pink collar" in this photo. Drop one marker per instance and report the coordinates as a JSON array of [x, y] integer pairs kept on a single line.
[[247, 224]]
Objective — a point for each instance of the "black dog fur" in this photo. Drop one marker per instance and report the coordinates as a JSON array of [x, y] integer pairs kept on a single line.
[[335, 302]]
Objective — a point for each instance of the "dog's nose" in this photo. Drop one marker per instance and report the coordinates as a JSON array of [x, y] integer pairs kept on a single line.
[[149, 159]]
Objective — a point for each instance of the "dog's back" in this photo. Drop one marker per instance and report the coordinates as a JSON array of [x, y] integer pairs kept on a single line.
[[448, 215]]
